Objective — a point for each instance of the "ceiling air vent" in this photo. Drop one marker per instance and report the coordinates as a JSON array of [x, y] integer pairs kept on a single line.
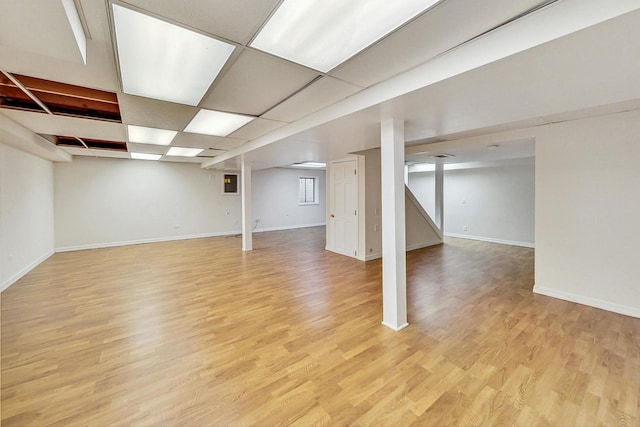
[[441, 156]]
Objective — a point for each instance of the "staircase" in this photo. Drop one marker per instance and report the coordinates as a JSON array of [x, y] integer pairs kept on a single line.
[[421, 231]]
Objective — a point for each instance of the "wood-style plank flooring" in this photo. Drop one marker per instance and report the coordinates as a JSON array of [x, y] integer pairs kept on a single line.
[[197, 332]]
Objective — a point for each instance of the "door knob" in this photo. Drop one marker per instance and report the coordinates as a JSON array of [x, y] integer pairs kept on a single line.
[[333, 216]]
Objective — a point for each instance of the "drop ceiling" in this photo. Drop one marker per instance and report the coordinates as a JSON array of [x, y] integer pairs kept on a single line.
[[583, 70]]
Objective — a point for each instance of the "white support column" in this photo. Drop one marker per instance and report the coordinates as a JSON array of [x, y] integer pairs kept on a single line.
[[247, 226], [440, 197], [394, 268]]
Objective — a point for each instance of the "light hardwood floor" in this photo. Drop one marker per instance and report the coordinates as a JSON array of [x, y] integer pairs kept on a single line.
[[197, 332]]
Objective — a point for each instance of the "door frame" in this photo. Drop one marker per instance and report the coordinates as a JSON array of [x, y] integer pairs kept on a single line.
[[330, 246]]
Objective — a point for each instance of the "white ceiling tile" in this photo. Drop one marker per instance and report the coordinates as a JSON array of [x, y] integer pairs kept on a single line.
[[236, 20], [229, 143], [68, 126], [99, 73], [95, 13], [178, 159], [77, 151], [136, 110], [255, 83], [600, 110], [51, 52], [211, 153], [84, 152], [256, 128], [112, 154], [444, 27], [194, 140], [38, 27], [147, 148], [319, 94]]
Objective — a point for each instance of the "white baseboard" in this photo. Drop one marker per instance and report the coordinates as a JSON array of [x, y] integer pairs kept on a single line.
[[288, 227], [13, 279], [142, 241], [423, 245], [377, 255], [398, 329], [592, 302], [491, 240], [172, 238]]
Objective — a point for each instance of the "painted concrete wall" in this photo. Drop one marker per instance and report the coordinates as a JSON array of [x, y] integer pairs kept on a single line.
[[587, 211], [26, 213], [275, 199], [419, 232], [102, 202], [492, 202]]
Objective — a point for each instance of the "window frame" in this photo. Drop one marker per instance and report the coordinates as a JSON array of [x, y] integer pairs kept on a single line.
[[315, 191]]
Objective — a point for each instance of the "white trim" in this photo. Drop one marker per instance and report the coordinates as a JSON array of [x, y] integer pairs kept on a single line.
[[398, 329], [592, 302], [423, 245], [172, 238], [422, 211], [491, 240], [316, 191], [370, 257], [143, 241], [13, 279], [288, 227], [377, 255]]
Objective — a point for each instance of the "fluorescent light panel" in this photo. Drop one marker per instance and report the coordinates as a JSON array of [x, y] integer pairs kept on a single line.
[[216, 123], [321, 34], [145, 135], [164, 61], [145, 156], [184, 152]]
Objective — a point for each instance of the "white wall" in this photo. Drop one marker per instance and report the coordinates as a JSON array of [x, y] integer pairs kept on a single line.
[[423, 187], [275, 199], [26, 213], [587, 205], [494, 203], [101, 202], [372, 179], [419, 233], [587, 212]]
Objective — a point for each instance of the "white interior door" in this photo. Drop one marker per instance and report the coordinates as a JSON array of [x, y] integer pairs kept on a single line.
[[343, 213]]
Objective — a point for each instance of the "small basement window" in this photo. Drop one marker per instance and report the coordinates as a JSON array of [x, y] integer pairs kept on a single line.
[[307, 194]]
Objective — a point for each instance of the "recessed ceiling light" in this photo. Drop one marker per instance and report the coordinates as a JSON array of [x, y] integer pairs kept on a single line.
[[321, 34], [184, 152], [216, 123], [164, 61], [493, 147], [145, 135], [145, 156]]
